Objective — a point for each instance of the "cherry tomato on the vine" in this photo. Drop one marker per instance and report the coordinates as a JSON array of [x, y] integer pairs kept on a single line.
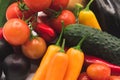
[[59, 4], [66, 16], [35, 48], [16, 31], [13, 11], [38, 5]]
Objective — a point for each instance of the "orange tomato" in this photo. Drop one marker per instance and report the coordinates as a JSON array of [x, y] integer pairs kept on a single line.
[[114, 77], [16, 31], [98, 71], [35, 48]]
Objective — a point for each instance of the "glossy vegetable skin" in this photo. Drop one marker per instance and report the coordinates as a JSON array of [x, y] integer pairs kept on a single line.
[[57, 66], [44, 64], [98, 43], [16, 31], [108, 15], [34, 48], [67, 16], [87, 17], [115, 70], [59, 4], [45, 31], [16, 66], [14, 11], [5, 49], [76, 59]]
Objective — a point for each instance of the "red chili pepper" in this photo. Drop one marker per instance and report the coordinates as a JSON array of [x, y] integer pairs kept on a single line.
[[115, 70], [45, 31]]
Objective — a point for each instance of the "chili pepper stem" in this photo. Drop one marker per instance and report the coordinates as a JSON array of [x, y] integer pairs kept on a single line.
[[80, 43], [63, 45], [88, 5], [59, 39], [78, 8]]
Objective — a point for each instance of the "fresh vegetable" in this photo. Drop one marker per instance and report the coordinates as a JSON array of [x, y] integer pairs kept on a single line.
[[5, 49], [67, 16], [83, 76], [44, 64], [58, 4], [45, 31], [98, 43], [108, 15], [58, 65], [3, 6], [16, 66], [72, 3], [37, 5], [115, 70], [87, 17], [35, 48], [98, 71], [114, 77], [16, 31], [76, 59], [18, 10]]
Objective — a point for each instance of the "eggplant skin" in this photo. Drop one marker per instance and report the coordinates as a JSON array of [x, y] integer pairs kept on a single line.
[[108, 15], [5, 49], [16, 67]]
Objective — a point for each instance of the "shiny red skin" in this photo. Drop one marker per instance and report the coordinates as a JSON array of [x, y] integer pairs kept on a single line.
[[59, 4], [38, 5], [66, 16], [115, 70], [13, 11]]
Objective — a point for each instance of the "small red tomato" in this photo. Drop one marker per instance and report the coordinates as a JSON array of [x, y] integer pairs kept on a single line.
[[59, 4], [114, 77], [35, 48], [98, 71], [83, 76], [16, 31], [66, 16], [38, 5], [13, 11]]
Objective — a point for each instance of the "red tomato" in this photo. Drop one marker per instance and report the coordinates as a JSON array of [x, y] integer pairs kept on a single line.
[[38, 5], [59, 4], [13, 11], [97, 71], [114, 77], [83, 76], [35, 48], [66, 16], [16, 31]]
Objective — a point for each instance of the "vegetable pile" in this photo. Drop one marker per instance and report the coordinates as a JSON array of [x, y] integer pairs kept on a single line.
[[56, 40]]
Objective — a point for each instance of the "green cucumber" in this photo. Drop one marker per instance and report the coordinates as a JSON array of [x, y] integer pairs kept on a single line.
[[98, 43]]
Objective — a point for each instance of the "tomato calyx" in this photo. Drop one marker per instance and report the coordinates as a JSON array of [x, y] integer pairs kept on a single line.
[[22, 6], [33, 34]]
